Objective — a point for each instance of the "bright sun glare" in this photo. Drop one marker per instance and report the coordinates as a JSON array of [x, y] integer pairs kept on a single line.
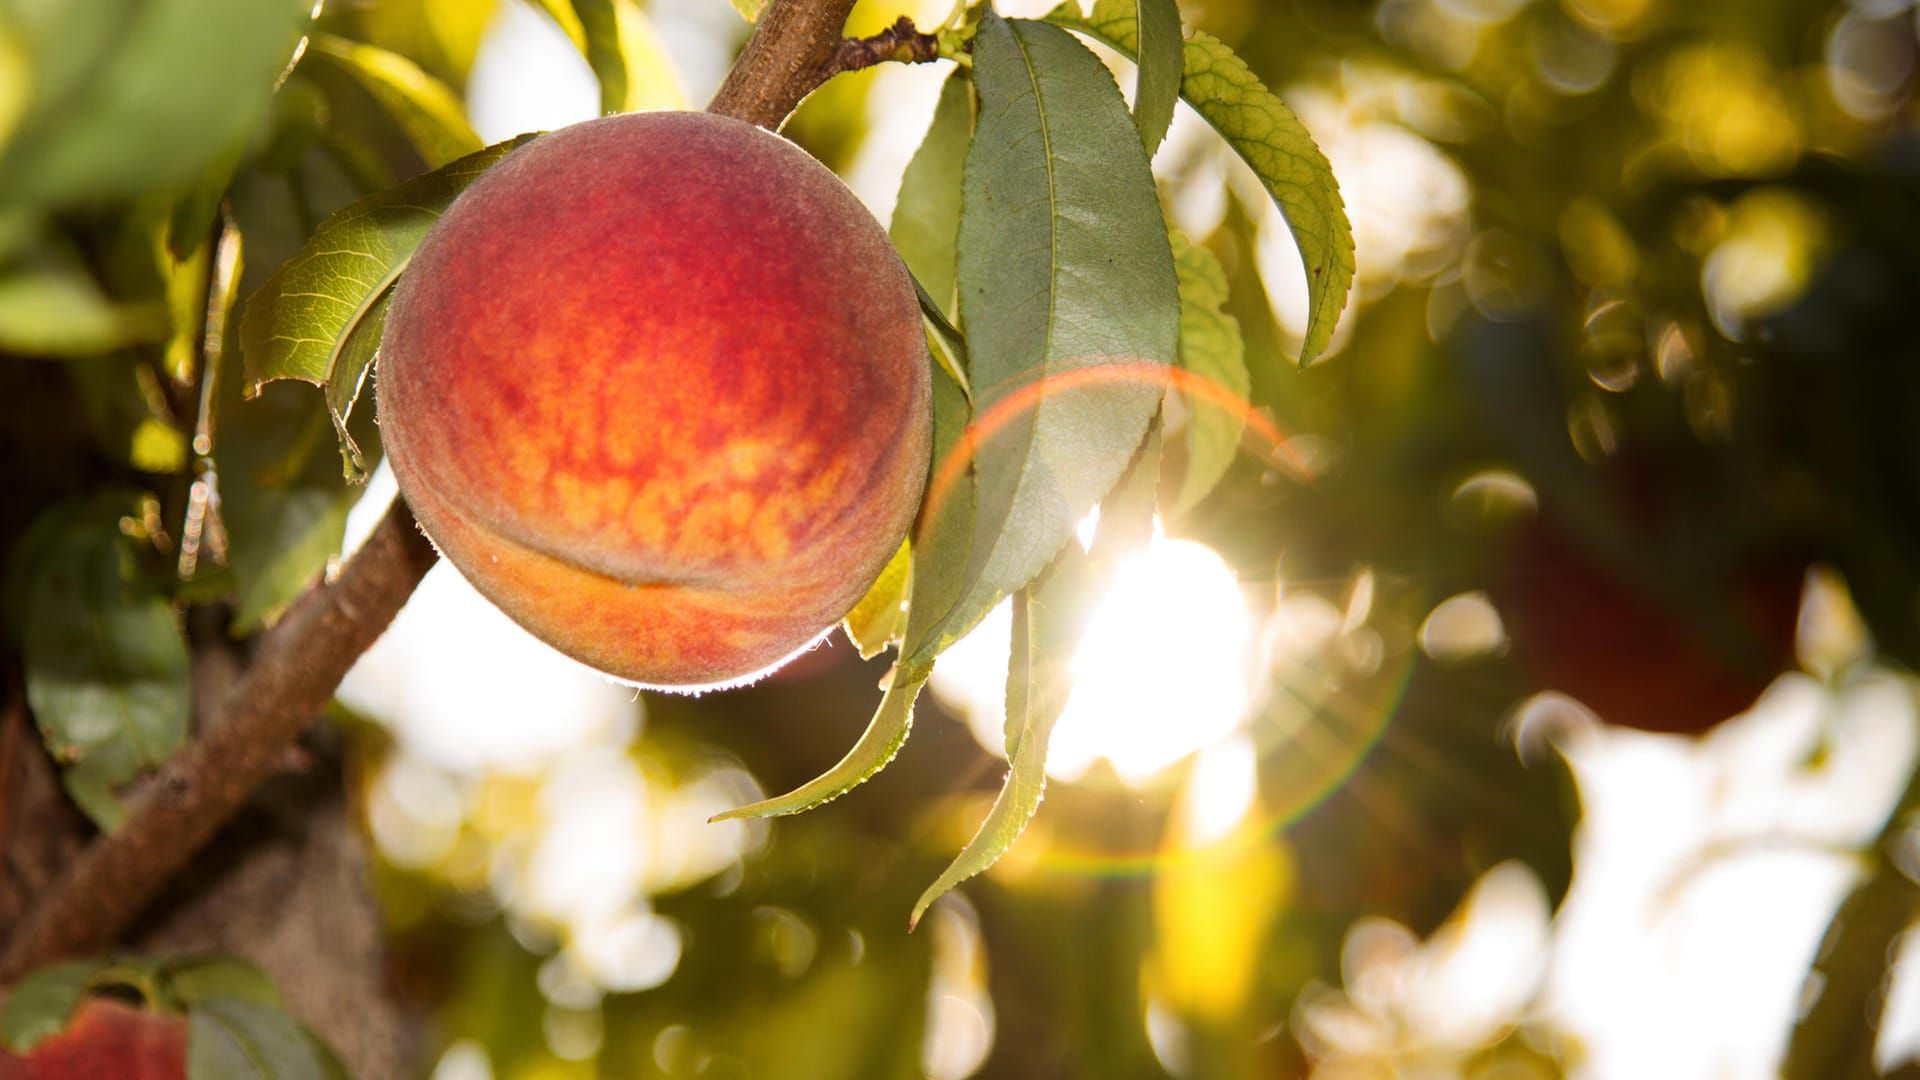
[[1159, 673]]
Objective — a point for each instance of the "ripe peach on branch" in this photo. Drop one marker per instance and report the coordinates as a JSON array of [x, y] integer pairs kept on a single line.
[[658, 385]]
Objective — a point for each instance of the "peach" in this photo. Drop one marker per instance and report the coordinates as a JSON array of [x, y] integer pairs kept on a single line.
[[106, 1038], [657, 384]]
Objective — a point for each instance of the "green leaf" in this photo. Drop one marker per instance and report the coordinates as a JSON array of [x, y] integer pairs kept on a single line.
[[1156, 87], [1047, 619], [105, 659], [885, 734], [349, 376], [875, 622], [1069, 297], [425, 108], [194, 980], [299, 321], [1270, 138], [600, 26], [943, 538], [141, 97], [40, 1005], [51, 306], [233, 1039], [628, 57], [285, 516], [750, 9], [1214, 357], [926, 217]]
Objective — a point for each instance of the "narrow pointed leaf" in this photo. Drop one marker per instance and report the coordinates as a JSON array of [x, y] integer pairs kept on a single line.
[[298, 323], [1270, 138], [601, 27], [926, 217], [884, 736], [1068, 294], [1156, 86], [626, 54], [1047, 620], [425, 108], [1213, 353]]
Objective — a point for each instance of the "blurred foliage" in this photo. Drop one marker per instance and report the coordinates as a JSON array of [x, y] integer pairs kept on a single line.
[[1631, 348]]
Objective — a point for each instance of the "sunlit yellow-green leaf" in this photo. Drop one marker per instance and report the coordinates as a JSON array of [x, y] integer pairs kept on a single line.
[[296, 325], [1213, 353], [424, 107], [875, 622]]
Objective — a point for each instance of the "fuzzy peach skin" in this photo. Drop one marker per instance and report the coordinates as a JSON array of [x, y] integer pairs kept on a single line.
[[657, 385]]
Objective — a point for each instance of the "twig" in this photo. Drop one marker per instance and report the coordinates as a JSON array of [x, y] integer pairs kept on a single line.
[[901, 43], [299, 664], [798, 46], [301, 661]]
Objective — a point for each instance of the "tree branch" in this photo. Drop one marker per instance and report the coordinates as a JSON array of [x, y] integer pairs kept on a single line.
[[301, 661], [798, 46], [293, 675]]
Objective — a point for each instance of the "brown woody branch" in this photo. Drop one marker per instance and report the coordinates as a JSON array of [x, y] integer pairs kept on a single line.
[[796, 47], [294, 673], [300, 662]]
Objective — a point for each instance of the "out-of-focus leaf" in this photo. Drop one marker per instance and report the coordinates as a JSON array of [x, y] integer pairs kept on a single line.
[[51, 306], [141, 97], [204, 978], [424, 107], [1047, 618], [1156, 88], [563, 16], [233, 1039], [442, 35], [626, 54], [299, 322], [926, 218], [1070, 301], [750, 9], [106, 662], [875, 622], [40, 1005], [1270, 138], [600, 26], [1212, 351]]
